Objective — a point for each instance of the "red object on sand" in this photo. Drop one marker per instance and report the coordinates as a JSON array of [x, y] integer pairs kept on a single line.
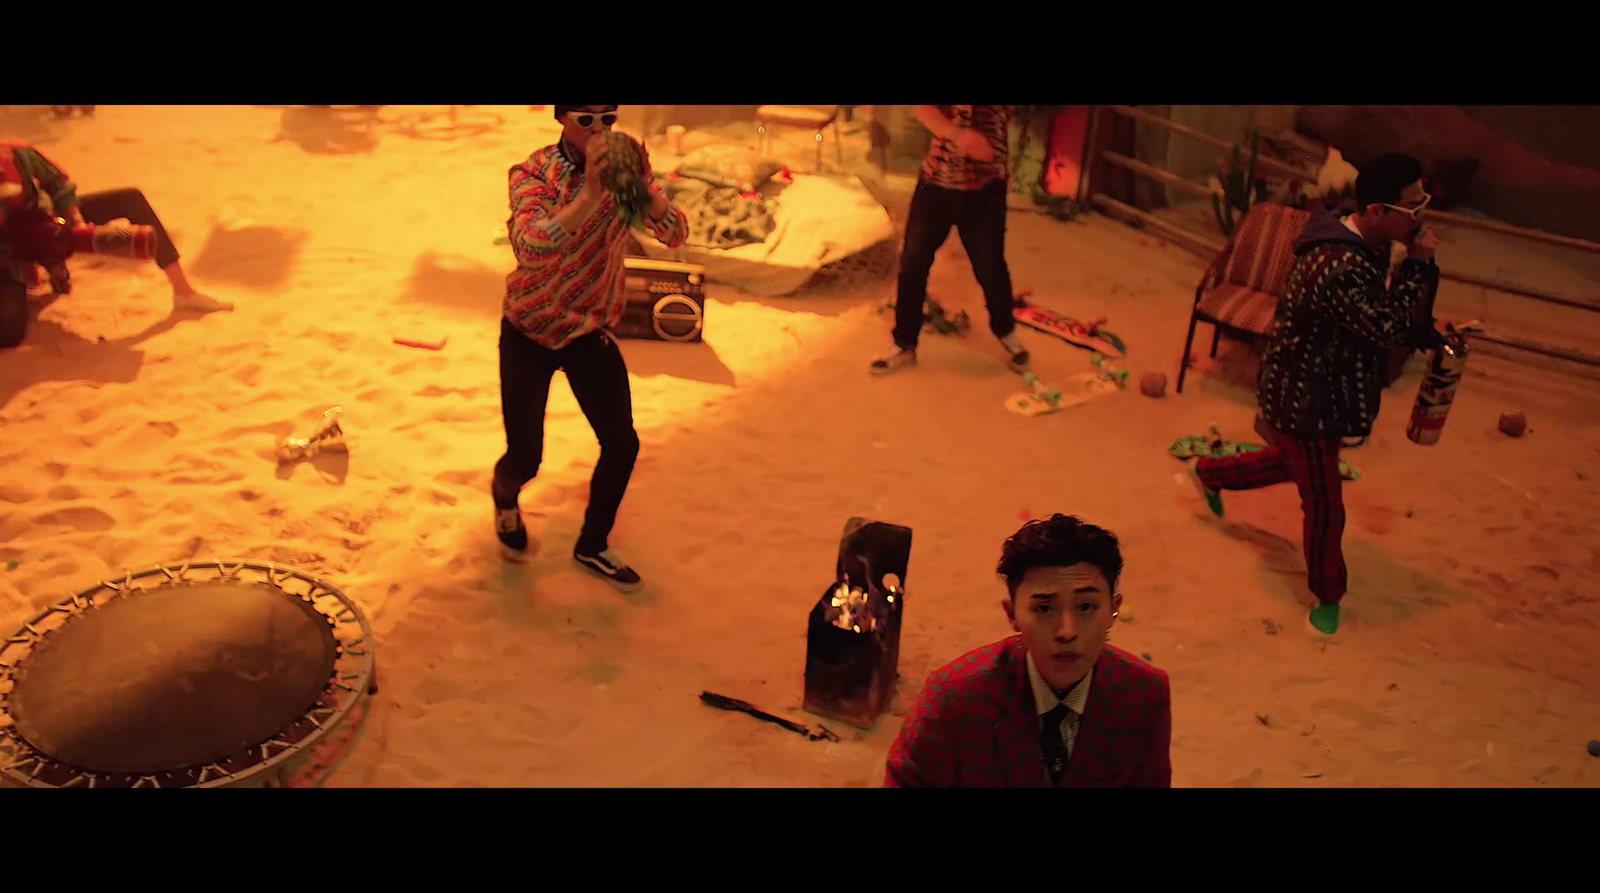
[[437, 344]]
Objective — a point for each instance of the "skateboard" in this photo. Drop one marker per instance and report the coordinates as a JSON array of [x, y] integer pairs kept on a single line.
[[1089, 336], [935, 320], [1214, 445], [1042, 399]]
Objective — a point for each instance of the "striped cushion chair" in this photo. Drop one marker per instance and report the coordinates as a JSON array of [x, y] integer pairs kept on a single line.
[[1240, 290]]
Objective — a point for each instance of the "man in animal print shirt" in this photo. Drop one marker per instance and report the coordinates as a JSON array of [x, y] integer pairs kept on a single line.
[[962, 185]]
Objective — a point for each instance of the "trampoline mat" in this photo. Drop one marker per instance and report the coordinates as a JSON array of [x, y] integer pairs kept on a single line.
[[173, 677]]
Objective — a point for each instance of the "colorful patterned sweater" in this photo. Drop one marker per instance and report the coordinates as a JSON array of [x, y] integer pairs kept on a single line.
[[946, 167], [568, 284], [29, 181], [1322, 371]]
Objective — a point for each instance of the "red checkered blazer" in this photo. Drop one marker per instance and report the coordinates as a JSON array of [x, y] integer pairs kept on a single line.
[[975, 726]]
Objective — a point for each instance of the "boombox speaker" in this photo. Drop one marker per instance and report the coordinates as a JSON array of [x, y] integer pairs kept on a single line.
[[665, 300]]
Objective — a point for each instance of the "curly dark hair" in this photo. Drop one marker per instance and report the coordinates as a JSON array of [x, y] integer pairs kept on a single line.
[[1059, 541], [1385, 177]]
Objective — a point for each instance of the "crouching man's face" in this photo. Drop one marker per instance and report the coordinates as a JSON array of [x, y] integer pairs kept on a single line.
[[1065, 615]]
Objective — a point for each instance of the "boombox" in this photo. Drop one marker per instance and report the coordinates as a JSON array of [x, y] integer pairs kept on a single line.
[[665, 300]]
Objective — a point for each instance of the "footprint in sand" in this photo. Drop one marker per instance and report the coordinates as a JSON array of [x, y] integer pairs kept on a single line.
[[440, 497], [435, 390], [83, 518], [249, 375], [429, 364], [463, 478], [18, 492]]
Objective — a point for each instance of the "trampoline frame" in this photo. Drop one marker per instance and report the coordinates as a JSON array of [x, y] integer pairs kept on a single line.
[[354, 675]]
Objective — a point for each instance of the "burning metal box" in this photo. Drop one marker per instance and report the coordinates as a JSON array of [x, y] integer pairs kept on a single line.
[[853, 633]]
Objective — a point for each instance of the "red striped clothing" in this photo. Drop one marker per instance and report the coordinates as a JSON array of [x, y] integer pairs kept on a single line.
[[568, 284], [945, 165], [29, 181]]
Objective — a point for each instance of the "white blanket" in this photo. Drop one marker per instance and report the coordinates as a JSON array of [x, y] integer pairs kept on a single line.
[[820, 218]]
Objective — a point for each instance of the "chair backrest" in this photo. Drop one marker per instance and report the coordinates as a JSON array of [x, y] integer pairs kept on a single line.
[[1263, 248]]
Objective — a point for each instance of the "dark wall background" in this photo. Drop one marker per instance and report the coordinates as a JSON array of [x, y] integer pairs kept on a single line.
[[1539, 166]]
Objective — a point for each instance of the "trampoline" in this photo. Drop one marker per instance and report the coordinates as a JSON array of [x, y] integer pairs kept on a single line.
[[216, 674]]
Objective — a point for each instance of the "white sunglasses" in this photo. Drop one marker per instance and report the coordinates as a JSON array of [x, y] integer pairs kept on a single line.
[[586, 119], [1415, 211]]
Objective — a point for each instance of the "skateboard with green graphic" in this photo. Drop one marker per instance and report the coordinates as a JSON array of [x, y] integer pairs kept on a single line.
[[1212, 444]]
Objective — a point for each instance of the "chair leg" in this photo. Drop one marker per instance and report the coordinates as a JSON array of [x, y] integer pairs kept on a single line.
[[1188, 344], [1216, 338]]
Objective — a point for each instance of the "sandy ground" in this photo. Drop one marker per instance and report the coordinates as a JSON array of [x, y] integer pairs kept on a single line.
[[1470, 654]]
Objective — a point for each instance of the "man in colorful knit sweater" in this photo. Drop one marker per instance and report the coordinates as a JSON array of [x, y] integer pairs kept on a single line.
[[1054, 706], [560, 302], [963, 185], [1323, 367], [31, 182]]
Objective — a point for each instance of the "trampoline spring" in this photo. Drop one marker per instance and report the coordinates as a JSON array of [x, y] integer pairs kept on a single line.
[[205, 772], [147, 781], [80, 780]]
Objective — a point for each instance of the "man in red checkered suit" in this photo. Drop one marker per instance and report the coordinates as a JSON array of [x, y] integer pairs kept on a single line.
[[1054, 706]]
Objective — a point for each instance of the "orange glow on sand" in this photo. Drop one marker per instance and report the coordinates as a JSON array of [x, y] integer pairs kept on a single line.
[[1470, 645]]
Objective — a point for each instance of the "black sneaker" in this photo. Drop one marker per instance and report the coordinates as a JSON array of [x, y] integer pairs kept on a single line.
[[512, 532], [607, 565]]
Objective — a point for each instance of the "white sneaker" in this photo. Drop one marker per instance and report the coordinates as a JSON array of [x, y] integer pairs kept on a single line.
[[1018, 354], [894, 361], [195, 302]]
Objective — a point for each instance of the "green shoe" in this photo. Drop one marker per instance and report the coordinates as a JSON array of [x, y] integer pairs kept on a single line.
[[1212, 497], [1325, 619]]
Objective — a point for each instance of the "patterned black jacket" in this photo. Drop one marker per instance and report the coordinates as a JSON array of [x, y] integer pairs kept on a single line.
[[1322, 371]]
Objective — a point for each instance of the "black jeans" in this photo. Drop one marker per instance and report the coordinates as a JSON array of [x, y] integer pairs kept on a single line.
[[599, 380], [980, 219], [104, 207]]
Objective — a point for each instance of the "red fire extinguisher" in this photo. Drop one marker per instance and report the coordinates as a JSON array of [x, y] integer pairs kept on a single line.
[[1438, 390]]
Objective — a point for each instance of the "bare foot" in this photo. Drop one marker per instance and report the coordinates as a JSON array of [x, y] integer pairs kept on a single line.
[[195, 302]]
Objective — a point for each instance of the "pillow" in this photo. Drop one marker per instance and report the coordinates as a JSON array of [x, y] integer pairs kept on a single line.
[[728, 165]]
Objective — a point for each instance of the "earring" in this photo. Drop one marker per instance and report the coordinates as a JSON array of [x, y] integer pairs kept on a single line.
[[1115, 615]]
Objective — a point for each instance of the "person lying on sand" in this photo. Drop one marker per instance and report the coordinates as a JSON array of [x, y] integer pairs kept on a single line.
[[1054, 706], [1324, 365], [45, 186], [569, 239]]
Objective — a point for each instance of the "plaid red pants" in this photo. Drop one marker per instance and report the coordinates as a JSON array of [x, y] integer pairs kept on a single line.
[[1313, 465]]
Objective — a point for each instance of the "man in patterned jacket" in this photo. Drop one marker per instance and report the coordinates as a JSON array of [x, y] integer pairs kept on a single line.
[[560, 301], [1054, 706], [962, 185], [1323, 367]]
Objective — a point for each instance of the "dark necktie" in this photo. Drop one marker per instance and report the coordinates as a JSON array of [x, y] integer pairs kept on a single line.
[[1051, 745]]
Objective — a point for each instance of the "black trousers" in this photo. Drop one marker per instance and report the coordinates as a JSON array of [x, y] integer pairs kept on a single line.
[[980, 219], [104, 207], [599, 380]]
